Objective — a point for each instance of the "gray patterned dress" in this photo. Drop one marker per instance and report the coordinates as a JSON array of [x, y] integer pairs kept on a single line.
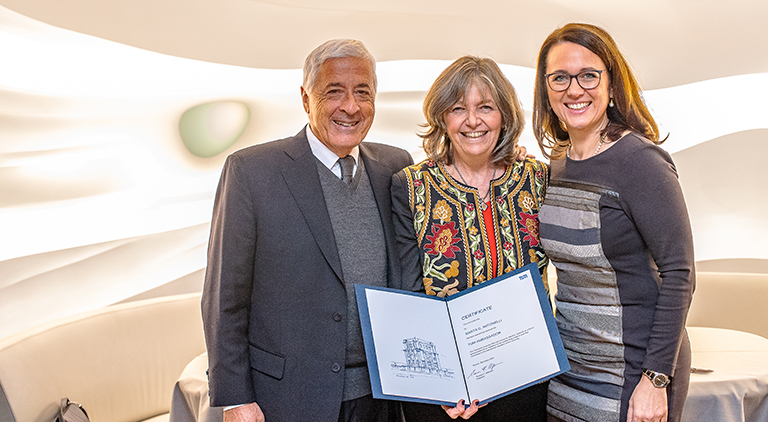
[[617, 230]]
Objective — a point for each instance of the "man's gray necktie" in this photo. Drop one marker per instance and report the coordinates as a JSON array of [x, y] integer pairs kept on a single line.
[[347, 165]]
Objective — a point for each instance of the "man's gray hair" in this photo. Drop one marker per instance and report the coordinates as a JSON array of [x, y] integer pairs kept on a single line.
[[331, 50]]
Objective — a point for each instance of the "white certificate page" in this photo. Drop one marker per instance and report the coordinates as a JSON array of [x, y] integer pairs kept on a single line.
[[415, 349], [502, 337]]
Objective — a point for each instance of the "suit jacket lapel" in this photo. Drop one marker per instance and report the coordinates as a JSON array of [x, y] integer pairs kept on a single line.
[[304, 183], [379, 174]]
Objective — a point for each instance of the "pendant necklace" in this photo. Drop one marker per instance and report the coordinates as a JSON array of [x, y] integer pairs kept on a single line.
[[488, 192], [568, 151]]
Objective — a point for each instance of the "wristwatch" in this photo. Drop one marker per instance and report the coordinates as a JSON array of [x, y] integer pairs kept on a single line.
[[658, 379]]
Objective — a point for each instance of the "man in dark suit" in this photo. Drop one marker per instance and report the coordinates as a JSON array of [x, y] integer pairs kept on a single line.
[[295, 224]]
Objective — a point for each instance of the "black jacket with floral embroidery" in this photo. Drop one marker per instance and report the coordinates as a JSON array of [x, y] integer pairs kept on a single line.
[[439, 228]]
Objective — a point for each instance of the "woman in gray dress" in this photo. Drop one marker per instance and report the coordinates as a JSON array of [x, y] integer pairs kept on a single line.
[[615, 225]]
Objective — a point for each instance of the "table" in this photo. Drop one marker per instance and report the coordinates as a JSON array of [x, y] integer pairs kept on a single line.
[[735, 391], [189, 402], [737, 388]]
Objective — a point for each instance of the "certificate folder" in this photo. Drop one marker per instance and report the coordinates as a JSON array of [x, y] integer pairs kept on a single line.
[[482, 343]]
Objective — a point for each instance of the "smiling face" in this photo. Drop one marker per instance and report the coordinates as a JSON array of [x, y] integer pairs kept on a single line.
[[340, 104], [473, 124], [583, 111]]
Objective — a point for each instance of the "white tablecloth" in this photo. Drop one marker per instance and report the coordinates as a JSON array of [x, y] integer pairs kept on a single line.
[[190, 395], [735, 391], [737, 388]]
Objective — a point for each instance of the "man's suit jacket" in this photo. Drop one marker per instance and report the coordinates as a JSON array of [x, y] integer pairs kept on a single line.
[[274, 304]]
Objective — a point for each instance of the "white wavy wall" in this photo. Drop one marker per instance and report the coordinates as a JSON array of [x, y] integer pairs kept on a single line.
[[102, 202]]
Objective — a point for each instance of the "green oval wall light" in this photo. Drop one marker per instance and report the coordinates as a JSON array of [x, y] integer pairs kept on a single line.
[[209, 129]]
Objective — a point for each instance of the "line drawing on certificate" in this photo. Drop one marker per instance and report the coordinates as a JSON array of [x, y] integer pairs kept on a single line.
[[421, 360]]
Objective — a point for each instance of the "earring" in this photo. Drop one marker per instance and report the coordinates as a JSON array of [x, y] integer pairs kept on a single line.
[[610, 103]]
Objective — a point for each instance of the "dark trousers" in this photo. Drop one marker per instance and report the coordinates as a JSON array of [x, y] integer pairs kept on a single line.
[[529, 405], [364, 409]]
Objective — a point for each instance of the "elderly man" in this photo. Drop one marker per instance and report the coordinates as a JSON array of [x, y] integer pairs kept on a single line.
[[296, 223]]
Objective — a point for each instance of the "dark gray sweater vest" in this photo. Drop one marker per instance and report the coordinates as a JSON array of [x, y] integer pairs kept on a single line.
[[362, 250]]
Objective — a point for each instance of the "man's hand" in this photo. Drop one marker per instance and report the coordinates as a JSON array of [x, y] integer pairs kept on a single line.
[[246, 413], [648, 403], [461, 411]]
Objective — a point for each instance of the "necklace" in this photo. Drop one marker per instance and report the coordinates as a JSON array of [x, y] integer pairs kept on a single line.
[[488, 192], [599, 145]]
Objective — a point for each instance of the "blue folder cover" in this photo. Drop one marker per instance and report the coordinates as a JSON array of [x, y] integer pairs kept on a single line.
[[460, 346]]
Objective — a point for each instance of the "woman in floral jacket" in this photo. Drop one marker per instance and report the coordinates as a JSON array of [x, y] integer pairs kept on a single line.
[[469, 212]]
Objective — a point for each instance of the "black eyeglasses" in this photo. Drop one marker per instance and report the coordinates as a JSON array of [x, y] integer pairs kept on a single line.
[[560, 81]]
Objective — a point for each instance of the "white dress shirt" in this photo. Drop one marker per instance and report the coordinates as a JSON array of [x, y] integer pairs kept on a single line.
[[328, 157]]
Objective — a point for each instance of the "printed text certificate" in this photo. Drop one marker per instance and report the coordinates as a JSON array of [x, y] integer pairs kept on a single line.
[[482, 343]]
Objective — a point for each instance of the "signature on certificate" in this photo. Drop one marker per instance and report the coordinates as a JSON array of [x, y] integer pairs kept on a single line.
[[484, 370]]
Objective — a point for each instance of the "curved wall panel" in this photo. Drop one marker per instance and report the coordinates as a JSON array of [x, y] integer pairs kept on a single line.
[[101, 201]]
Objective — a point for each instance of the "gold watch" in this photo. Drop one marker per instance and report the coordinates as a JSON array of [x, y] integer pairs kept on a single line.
[[658, 379]]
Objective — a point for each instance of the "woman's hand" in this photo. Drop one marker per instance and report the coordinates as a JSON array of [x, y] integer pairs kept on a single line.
[[648, 403], [461, 411], [522, 152]]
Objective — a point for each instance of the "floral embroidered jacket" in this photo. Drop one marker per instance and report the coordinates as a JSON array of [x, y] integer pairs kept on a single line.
[[441, 232]]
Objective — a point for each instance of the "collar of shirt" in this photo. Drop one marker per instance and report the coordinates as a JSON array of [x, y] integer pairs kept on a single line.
[[328, 157]]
